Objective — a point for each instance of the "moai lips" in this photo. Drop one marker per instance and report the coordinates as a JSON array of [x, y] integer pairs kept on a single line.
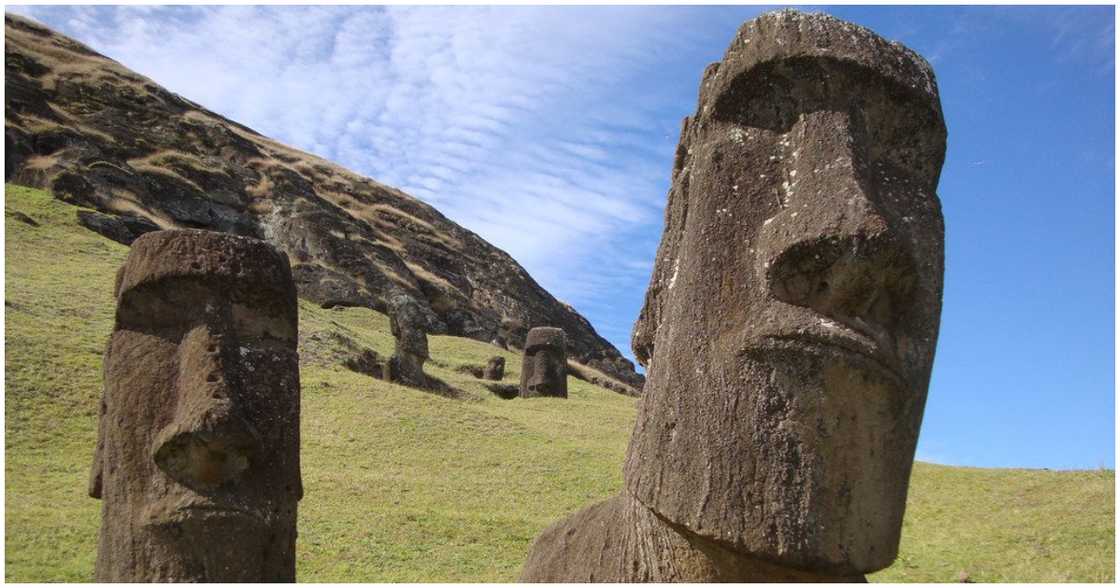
[[790, 323], [197, 460], [544, 367]]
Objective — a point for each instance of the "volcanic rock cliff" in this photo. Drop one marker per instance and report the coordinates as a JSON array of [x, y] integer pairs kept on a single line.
[[97, 134]]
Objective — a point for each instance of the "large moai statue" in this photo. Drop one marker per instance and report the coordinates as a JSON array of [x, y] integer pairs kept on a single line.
[[411, 342], [544, 365], [790, 322], [197, 458]]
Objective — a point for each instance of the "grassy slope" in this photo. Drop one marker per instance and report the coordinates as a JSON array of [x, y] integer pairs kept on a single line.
[[402, 485]]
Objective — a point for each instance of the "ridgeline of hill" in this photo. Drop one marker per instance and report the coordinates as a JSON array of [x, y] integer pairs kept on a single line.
[[97, 134], [406, 486]]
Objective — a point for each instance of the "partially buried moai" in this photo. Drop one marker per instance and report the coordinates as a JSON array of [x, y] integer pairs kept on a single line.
[[544, 367], [790, 322], [411, 342], [495, 368], [197, 458]]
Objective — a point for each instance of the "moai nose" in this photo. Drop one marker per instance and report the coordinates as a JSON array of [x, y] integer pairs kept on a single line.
[[207, 442], [833, 247]]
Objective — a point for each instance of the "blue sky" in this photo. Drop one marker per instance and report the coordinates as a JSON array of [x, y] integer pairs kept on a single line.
[[550, 132]]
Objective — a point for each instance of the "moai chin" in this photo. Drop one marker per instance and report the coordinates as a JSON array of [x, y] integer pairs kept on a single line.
[[544, 367], [197, 459], [411, 347], [790, 322]]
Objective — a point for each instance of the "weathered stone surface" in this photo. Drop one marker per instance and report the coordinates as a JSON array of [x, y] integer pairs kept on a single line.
[[123, 229], [620, 540], [99, 135], [544, 366], [407, 323], [197, 458], [791, 319], [495, 368]]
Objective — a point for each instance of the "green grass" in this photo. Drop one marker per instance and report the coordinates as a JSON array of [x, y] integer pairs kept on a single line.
[[406, 486]]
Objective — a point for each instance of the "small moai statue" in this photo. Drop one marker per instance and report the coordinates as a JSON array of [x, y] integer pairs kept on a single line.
[[197, 458], [544, 365], [411, 349], [789, 326], [495, 368]]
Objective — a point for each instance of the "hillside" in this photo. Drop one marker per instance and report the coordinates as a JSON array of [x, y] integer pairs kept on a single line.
[[406, 486], [97, 134]]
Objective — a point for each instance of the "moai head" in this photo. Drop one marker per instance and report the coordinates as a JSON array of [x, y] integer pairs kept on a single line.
[[495, 368], [791, 319], [197, 461], [544, 369], [408, 325]]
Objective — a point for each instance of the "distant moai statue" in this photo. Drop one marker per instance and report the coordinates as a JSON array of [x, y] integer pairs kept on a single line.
[[495, 368], [197, 458], [408, 325], [544, 365], [789, 326]]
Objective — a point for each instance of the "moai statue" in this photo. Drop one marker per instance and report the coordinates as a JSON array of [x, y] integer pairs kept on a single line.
[[411, 349], [197, 459], [789, 326], [544, 367], [495, 368]]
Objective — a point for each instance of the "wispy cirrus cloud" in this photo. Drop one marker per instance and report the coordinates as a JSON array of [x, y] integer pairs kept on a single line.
[[547, 130]]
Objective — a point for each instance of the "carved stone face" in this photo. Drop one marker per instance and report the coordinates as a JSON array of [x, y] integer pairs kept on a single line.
[[408, 326], [544, 369], [197, 462], [793, 312]]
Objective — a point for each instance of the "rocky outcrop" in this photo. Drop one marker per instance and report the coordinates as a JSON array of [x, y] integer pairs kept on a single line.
[[97, 134]]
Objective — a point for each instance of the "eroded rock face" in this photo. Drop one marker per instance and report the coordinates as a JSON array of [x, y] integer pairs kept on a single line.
[[97, 134], [544, 367], [407, 323], [791, 319], [197, 459]]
